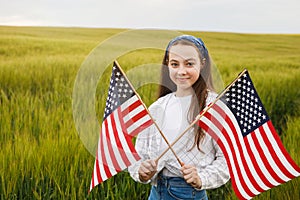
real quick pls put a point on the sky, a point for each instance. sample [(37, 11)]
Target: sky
[(241, 16)]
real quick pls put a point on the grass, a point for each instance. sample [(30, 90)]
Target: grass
[(41, 154)]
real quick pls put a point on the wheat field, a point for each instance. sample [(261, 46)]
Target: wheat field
[(42, 155)]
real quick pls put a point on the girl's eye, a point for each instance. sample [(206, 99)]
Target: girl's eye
[(190, 64), (174, 64)]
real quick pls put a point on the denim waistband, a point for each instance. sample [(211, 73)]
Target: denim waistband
[(175, 181), (175, 188)]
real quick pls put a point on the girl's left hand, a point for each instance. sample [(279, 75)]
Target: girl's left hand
[(190, 175)]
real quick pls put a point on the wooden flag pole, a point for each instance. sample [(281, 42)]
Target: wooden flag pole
[(161, 133), (201, 114)]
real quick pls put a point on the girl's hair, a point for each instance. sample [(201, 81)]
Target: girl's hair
[(201, 86)]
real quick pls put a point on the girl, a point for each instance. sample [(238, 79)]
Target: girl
[(186, 88)]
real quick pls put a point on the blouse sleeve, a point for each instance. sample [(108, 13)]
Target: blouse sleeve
[(146, 145), (215, 174), (141, 146)]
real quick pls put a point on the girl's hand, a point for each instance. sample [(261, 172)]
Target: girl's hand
[(147, 170), (190, 175)]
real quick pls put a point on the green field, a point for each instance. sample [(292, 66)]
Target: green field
[(41, 154)]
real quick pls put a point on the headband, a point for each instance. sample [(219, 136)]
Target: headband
[(196, 41)]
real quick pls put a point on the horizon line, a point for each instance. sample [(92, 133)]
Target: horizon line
[(151, 28)]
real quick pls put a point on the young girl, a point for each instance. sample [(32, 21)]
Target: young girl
[(186, 88)]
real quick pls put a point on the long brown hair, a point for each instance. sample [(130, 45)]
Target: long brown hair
[(201, 86)]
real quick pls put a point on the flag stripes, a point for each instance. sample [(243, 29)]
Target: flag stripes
[(134, 116), (116, 150), (218, 125), (254, 165)]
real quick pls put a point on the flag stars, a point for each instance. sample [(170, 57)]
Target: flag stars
[(119, 91), (244, 101)]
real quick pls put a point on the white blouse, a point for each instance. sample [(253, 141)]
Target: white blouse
[(170, 114)]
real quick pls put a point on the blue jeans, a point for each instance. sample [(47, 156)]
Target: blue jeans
[(175, 188)]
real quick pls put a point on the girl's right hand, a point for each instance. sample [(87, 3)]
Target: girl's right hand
[(147, 170)]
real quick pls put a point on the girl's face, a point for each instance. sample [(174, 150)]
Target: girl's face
[(184, 68)]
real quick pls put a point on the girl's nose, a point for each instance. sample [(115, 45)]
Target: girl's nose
[(181, 69)]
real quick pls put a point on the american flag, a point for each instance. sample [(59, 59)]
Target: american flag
[(124, 117), (256, 158)]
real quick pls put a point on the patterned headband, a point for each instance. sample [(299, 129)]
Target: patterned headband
[(196, 41)]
